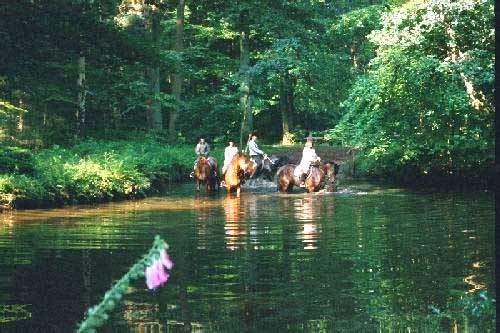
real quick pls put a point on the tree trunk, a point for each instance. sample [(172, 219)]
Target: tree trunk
[(286, 107), (177, 77), (245, 98), (352, 52), (156, 115), (81, 110), (476, 97)]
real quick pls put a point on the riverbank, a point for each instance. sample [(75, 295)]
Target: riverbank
[(90, 172), (96, 171), (429, 174)]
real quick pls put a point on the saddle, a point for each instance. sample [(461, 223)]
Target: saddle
[(211, 162), (309, 171)]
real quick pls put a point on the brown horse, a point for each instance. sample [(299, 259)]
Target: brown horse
[(206, 173), (319, 177), (239, 168)]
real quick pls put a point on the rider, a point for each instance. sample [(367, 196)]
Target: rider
[(308, 157), (256, 155), (229, 152), (201, 149)]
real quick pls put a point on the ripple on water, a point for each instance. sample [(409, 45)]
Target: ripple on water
[(265, 261)]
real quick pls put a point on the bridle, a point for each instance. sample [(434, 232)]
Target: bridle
[(270, 160)]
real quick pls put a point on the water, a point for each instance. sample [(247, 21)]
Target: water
[(368, 258)]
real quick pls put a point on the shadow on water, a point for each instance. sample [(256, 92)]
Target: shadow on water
[(366, 258)]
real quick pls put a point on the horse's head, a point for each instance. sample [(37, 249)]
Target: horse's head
[(202, 170), (268, 164), (329, 170), (279, 161), (245, 164)]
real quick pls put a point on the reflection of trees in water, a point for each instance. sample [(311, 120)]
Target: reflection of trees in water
[(310, 265), (407, 258), (202, 214)]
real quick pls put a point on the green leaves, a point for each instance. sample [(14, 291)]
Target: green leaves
[(414, 107), (92, 171)]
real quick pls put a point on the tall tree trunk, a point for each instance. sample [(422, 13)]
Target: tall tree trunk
[(156, 114), (20, 119), (245, 98), (81, 109), (286, 107), (177, 77)]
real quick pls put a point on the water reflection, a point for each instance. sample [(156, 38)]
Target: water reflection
[(234, 230), (260, 262), (307, 211)]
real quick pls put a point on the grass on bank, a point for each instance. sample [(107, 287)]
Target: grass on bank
[(92, 171)]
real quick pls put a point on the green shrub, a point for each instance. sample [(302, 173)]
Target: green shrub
[(15, 160), (94, 171)]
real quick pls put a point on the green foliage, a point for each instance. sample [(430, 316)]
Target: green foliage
[(411, 83), (94, 171), (412, 113), (479, 308), (9, 116), (15, 160)]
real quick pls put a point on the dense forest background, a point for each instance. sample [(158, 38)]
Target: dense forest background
[(409, 84)]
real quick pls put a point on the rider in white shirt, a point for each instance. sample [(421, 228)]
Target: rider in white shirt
[(229, 153), (308, 157)]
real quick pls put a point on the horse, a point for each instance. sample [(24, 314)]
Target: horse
[(320, 176), (205, 172), (238, 169), (266, 167)]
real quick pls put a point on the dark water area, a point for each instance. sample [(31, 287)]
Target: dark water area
[(368, 258)]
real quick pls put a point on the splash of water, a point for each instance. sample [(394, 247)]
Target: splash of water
[(259, 183)]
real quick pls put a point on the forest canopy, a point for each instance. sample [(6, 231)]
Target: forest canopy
[(409, 84)]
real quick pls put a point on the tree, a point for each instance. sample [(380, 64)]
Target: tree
[(425, 103), (177, 77)]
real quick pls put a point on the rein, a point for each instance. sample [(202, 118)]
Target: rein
[(267, 158)]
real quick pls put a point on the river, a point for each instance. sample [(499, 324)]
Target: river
[(368, 258)]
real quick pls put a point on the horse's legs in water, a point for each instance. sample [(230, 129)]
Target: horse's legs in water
[(198, 185), (238, 192)]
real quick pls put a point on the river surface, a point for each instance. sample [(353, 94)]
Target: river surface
[(368, 258)]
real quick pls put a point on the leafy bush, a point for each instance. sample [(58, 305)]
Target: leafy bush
[(15, 160), (95, 171)]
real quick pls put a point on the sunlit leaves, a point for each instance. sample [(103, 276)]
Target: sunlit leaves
[(413, 107)]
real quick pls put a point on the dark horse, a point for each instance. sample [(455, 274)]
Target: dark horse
[(206, 173), (238, 169), (319, 177), (266, 167)]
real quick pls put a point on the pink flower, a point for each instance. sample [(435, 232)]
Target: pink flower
[(156, 274), (165, 259)]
